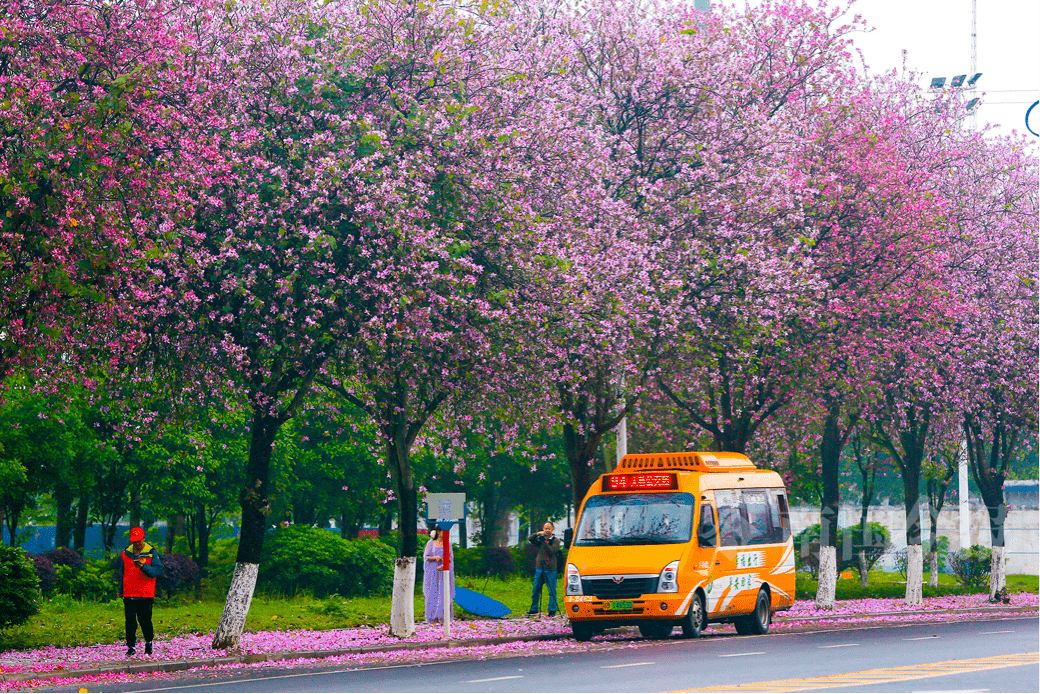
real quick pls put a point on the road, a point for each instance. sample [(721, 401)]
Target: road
[(998, 656)]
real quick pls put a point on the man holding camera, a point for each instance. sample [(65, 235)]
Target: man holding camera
[(545, 568), (136, 575)]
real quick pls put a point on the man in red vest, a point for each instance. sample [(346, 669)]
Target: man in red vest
[(136, 575)]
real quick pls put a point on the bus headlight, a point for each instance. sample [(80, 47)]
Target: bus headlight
[(669, 580), (573, 581)]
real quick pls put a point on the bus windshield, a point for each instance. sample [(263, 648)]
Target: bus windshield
[(636, 519)]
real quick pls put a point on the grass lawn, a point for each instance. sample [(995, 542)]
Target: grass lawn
[(63, 621)]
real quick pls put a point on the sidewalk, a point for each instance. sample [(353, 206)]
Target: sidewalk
[(478, 638)]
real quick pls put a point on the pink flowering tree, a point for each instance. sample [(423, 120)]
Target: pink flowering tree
[(996, 270), (85, 166), (481, 159), (296, 192)]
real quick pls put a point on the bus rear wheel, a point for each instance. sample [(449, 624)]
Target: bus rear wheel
[(756, 623)]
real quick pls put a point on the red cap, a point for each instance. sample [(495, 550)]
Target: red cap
[(136, 534)]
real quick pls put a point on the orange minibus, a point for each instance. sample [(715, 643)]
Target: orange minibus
[(680, 539)]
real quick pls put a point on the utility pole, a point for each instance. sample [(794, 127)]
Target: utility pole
[(974, 59)]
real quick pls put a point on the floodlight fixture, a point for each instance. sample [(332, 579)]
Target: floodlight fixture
[(974, 79), (938, 82), (972, 105), (958, 80)]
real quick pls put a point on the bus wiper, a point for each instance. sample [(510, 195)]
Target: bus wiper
[(595, 542)]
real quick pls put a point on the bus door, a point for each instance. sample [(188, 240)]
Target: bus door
[(738, 566)]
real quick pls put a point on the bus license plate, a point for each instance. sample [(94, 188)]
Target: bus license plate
[(620, 605)]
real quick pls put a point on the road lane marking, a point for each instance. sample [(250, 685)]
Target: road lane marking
[(922, 638), (608, 667), (1006, 631), (900, 673), (495, 679), (839, 645), (735, 655)]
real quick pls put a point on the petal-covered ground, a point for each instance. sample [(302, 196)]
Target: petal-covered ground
[(194, 646)]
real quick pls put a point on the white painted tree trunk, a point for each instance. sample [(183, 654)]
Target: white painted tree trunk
[(825, 590), (864, 574), (997, 575), (402, 602), (933, 569), (914, 575), (240, 594)]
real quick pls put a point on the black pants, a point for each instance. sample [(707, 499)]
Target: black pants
[(138, 610)]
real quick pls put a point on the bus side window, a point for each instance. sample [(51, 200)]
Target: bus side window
[(732, 520), (706, 533), (785, 520)]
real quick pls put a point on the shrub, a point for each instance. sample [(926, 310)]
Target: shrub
[(180, 574), (850, 544), (299, 558), (499, 562), (971, 566), (63, 556), (468, 562), (45, 572), (485, 561), (93, 581), (523, 557), (19, 587)]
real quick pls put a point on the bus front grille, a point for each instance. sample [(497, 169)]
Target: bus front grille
[(608, 589)]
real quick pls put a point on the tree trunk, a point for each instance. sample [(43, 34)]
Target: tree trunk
[(135, 504), (914, 551), (402, 601), (255, 507), (79, 533), (402, 604), (827, 587), (581, 454), (172, 531), (204, 529), (500, 537), (913, 449), (864, 570), (997, 572), (63, 516), (830, 458), (14, 517), (933, 544), (914, 574)]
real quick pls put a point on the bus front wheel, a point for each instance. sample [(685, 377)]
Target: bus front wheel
[(693, 622), (757, 622)]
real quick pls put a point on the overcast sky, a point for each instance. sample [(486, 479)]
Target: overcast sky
[(937, 37)]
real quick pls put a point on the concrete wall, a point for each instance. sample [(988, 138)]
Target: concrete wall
[(1021, 530)]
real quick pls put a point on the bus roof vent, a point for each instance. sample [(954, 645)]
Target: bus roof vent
[(688, 460)]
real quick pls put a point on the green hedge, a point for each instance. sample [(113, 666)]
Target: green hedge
[(298, 559), (19, 587), (807, 547)]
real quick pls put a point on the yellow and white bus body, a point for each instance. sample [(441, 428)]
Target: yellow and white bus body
[(681, 539)]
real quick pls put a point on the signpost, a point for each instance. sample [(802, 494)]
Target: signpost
[(446, 509)]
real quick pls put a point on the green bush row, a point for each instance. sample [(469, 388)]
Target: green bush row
[(298, 559)]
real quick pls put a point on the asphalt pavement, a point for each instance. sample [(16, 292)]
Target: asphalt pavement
[(992, 655)]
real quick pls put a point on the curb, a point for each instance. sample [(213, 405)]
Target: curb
[(253, 658), (783, 617), (274, 657)]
